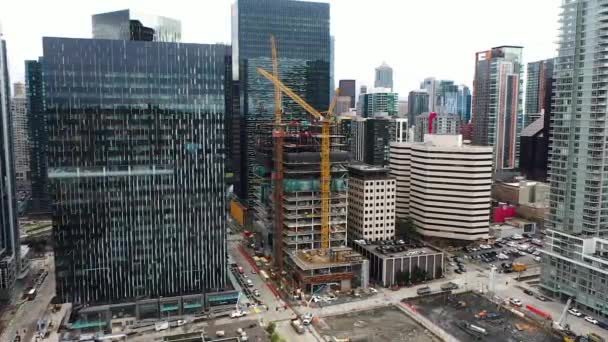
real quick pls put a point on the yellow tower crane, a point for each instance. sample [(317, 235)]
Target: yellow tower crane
[(325, 149)]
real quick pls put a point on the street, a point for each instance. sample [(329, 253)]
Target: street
[(29, 312)]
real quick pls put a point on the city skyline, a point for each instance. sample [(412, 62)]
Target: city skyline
[(350, 22)]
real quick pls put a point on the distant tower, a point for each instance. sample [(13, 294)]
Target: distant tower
[(384, 76)]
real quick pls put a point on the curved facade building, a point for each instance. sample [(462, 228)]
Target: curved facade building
[(400, 158)]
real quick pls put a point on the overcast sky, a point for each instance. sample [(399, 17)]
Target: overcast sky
[(418, 38)]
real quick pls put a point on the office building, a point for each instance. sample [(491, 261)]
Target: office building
[(380, 102), (371, 138), (342, 105), (332, 67), (303, 41), (430, 84), (539, 84), (133, 25), (20, 136), (449, 186), (38, 136), (384, 77), (464, 103), (9, 230), (534, 150), (388, 260), (418, 103), (497, 115), (349, 88), (146, 164), (433, 123), (447, 97), (400, 166), (362, 92), (371, 203), (575, 257)]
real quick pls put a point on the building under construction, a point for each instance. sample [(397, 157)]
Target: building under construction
[(291, 227)]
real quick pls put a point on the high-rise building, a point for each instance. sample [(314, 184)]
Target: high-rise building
[(449, 186), (402, 108), (384, 77), (433, 123), (303, 41), (464, 103), (380, 101), (144, 159), (133, 25), (20, 135), (497, 115), (9, 230), (447, 97), (349, 88), (430, 84), (371, 137), (534, 155), (575, 257), (371, 203), (418, 103), (342, 105), (38, 136), (539, 81), (362, 92)]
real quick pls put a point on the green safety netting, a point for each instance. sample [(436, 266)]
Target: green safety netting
[(293, 185)]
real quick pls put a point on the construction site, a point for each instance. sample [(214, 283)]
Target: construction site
[(301, 199), (468, 316), (387, 323)]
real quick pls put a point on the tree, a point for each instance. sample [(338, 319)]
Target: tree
[(271, 327), (439, 272), (402, 278), (406, 228), (276, 337), (418, 275)]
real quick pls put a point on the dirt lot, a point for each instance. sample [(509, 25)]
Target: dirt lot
[(386, 324), (446, 312)]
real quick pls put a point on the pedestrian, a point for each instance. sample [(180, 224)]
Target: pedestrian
[(277, 308)]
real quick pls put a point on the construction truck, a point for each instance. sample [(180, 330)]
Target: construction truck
[(519, 267)]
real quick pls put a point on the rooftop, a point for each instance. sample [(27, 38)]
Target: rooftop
[(315, 259), (393, 248), (368, 171)]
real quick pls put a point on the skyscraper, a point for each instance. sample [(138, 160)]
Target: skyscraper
[(371, 138), (430, 85), (380, 101), (447, 97), (402, 108), (133, 25), (418, 103), (464, 103), (497, 115), (384, 77), (349, 88), (38, 136), (136, 171), (9, 231), (575, 260), (538, 91), (433, 123), (20, 135), (301, 30)]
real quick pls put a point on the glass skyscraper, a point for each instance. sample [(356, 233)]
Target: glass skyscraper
[(302, 33), (38, 136), (9, 230), (136, 167), (133, 25), (497, 111), (464, 103), (575, 260)]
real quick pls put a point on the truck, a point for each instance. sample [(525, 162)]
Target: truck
[(449, 286), (423, 291), (519, 267), (159, 326), (297, 325)]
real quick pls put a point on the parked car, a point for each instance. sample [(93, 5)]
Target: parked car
[(590, 319), (256, 292), (575, 312), (457, 271), (528, 292), (542, 298)]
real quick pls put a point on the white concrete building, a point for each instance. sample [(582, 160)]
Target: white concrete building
[(399, 164), (371, 203), (449, 186)]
